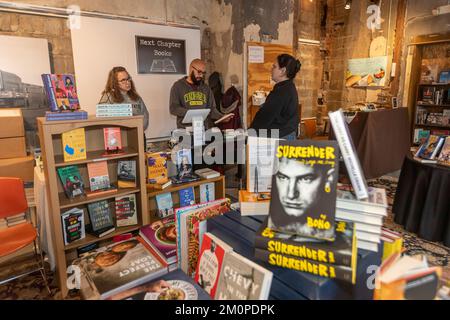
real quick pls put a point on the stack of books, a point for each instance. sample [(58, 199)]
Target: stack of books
[(329, 259), (120, 266), (367, 214), (207, 173), (252, 203), (161, 236), (114, 110), (16, 219), (66, 115), (392, 243)]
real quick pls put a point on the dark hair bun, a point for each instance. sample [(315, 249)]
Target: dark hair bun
[(291, 64)]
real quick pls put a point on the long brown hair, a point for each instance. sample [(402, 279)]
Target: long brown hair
[(112, 86)]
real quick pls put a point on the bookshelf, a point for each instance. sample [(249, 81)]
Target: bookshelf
[(219, 190), (429, 96), (50, 133)]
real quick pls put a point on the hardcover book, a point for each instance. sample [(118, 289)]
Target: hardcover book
[(242, 279), (342, 251), (187, 197), (190, 231), (113, 139), (157, 168), (71, 181), (305, 265), (126, 211), (161, 236), (183, 164), (207, 192), (210, 261), (73, 225), (100, 216), (165, 204), (347, 148), (175, 285), (98, 175), (74, 145), (61, 92), (120, 266), (126, 173), (303, 196)]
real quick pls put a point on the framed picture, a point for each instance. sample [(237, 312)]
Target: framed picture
[(444, 76)]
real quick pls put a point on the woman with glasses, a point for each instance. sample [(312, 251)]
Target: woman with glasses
[(280, 111), (120, 89)]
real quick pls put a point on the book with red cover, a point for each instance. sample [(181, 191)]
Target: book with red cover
[(112, 138), (210, 263), (161, 236)]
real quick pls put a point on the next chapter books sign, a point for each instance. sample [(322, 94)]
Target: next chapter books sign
[(158, 55)]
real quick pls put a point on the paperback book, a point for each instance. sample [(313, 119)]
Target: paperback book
[(73, 225), (165, 205), (444, 156), (61, 92), (74, 145), (157, 168), (112, 139), (207, 192), (183, 164), (98, 175), (126, 211), (187, 197), (101, 220), (303, 194), (71, 181), (126, 173)]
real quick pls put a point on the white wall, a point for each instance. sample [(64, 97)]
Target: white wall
[(101, 44)]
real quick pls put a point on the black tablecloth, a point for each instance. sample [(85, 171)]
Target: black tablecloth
[(422, 200), (381, 138)]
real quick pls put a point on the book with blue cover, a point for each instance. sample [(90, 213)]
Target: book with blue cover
[(187, 197), (165, 205)]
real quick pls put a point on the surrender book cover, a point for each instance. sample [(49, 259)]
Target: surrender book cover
[(303, 197)]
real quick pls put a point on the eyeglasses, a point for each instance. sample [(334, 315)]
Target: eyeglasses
[(125, 80), (200, 72)]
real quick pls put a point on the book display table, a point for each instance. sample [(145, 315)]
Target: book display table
[(239, 232), (381, 139), (422, 200)]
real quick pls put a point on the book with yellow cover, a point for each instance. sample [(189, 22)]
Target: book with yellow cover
[(157, 168), (74, 145)]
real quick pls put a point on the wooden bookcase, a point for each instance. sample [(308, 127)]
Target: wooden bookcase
[(428, 50), (219, 191), (132, 135)]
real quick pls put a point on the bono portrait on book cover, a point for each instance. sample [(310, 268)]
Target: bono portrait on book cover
[(303, 198)]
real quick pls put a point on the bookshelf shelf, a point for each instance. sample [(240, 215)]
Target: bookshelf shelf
[(50, 135), (94, 156), (82, 200), (92, 239), (219, 188), (433, 126), (434, 85), (433, 105)]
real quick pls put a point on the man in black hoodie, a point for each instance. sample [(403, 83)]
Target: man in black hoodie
[(191, 93)]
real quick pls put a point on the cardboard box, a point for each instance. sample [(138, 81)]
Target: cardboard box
[(11, 123), (18, 167), (13, 148)]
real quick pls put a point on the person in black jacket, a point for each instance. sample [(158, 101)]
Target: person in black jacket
[(280, 111)]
